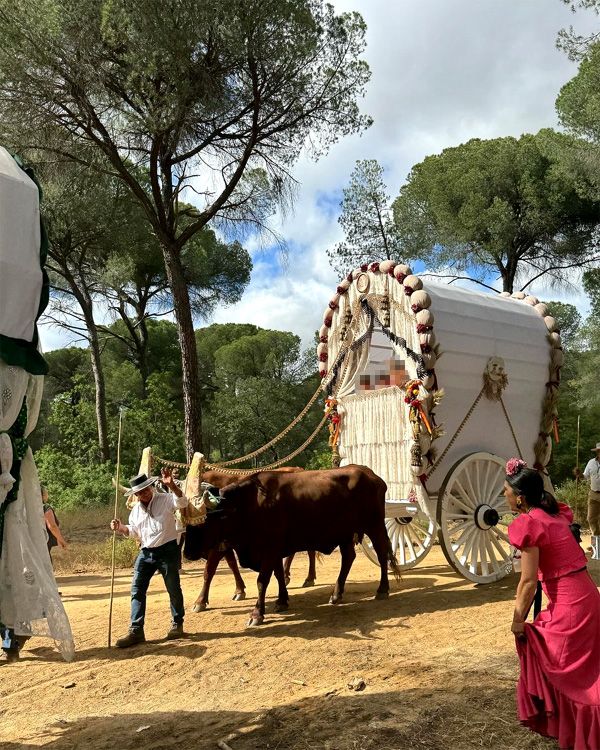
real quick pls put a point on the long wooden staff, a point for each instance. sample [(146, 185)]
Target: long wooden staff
[(114, 539)]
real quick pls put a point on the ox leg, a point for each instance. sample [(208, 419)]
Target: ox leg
[(312, 572), (240, 586), (283, 598), (348, 556), (257, 617), (287, 568), (381, 545), (210, 568)]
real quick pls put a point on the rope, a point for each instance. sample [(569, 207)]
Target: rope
[(279, 437), (456, 434), (511, 427), (464, 422), (243, 472), (342, 357)]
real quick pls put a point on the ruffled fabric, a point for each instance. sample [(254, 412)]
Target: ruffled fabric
[(558, 693)]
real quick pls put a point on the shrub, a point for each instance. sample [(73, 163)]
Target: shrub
[(575, 495), (72, 484)]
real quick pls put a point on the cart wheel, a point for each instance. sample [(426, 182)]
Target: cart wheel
[(411, 536), (473, 515)]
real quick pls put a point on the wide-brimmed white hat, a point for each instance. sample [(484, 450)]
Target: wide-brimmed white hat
[(140, 483), (597, 448)]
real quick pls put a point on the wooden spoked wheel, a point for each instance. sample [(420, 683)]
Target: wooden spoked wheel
[(411, 533), (472, 517)]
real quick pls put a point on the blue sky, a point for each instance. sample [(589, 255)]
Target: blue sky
[(443, 71)]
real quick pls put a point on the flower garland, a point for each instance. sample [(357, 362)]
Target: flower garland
[(334, 419), (414, 398)]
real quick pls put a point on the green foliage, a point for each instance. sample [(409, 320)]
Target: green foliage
[(71, 483), (367, 221), (262, 382), (569, 321), (321, 459), (508, 206), (126, 551), (575, 495)]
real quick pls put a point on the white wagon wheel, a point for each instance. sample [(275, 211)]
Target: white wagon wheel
[(472, 516), (411, 535)]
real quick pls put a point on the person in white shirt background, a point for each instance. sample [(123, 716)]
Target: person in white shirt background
[(152, 523), (592, 474)]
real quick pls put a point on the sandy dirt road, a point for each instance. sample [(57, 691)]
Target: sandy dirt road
[(437, 658)]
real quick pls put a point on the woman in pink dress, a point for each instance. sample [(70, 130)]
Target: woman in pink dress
[(558, 693)]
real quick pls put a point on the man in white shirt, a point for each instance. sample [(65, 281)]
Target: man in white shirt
[(592, 474), (152, 523)]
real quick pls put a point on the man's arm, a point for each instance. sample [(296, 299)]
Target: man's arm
[(180, 500), (125, 529)]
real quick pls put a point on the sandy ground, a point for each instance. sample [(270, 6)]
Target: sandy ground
[(437, 658)]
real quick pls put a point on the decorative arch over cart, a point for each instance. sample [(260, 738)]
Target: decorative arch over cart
[(433, 387)]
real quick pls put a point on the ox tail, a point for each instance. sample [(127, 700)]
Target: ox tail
[(393, 563)]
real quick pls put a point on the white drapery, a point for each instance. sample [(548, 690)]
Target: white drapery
[(375, 432), (29, 600)]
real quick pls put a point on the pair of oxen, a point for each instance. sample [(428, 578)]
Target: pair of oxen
[(271, 515)]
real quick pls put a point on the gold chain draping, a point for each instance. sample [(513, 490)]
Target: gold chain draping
[(221, 467)]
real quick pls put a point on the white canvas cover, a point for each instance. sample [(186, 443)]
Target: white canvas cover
[(471, 327), (20, 272)]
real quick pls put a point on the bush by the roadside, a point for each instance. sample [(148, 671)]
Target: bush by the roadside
[(575, 495), (72, 484)]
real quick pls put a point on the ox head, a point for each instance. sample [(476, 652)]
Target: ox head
[(223, 524)]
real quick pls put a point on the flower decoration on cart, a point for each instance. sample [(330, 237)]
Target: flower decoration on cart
[(423, 426)]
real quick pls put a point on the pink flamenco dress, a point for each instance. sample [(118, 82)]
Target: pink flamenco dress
[(558, 693)]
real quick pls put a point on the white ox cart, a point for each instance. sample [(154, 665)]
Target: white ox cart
[(434, 387)]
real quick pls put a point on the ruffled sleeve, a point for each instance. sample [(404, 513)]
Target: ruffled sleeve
[(565, 512), (526, 531)]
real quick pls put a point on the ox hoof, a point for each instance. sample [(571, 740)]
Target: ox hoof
[(335, 599), (199, 607), (253, 622), (281, 606), (308, 582), (382, 595), (238, 596)]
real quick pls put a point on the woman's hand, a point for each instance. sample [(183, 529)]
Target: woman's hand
[(518, 628)]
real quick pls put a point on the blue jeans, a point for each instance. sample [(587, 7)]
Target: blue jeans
[(151, 559)]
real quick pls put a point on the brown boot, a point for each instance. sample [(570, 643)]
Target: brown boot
[(175, 632), (131, 639)]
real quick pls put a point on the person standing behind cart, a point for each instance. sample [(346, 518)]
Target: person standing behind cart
[(558, 693), (592, 474)]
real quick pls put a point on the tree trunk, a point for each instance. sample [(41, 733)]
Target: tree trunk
[(100, 394), (189, 357), (82, 295)]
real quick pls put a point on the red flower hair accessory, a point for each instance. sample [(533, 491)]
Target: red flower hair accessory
[(514, 466)]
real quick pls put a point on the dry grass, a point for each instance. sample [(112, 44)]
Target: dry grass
[(90, 542)]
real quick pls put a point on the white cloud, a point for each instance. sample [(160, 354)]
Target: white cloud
[(443, 71)]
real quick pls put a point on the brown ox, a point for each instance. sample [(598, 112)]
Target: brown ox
[(271, 515), (214, 557)]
